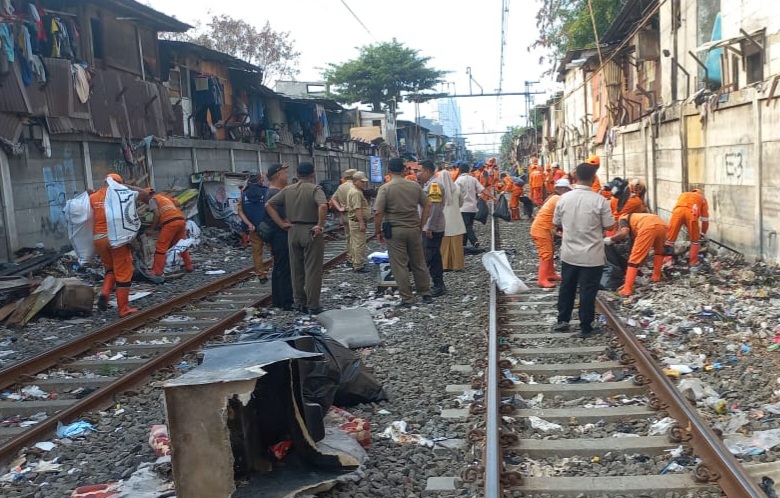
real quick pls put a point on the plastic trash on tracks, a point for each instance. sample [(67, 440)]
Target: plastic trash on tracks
[(353, 328), (498, 266), (121, 216), (80, 222)]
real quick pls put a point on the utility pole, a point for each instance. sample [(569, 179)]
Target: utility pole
[(532, 122)]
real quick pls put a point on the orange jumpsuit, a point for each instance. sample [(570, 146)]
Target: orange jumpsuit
[(557, 175), (549, 181), (691, 208), (173, 229), (648, 231), (633, 205), (514, 202), (543, 230), (536, 180), (117, 261), (596, 187)]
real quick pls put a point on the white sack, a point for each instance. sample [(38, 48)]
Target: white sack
[(80, 222), (173, 260), (121, 217), (498, 266), (193, 232)]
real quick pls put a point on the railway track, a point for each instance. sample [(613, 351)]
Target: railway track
[(550, 425), (88, 371)]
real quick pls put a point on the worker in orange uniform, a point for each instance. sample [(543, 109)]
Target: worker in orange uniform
[(543, 233), (536, 181), (517, 193), (691, 208), (508, 184), (173, 228), (647, 231), (595, 161), (549, 181), (558, 173), (117, 261)]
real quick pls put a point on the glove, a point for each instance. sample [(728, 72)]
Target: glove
[(608, 241)]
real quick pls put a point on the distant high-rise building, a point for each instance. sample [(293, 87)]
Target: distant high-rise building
[(449, 117)]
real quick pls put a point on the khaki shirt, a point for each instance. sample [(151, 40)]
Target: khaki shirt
[(342, 191), (583, 215), (398, 200), (356, 201), (300, 201)]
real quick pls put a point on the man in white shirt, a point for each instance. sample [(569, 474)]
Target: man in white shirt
[(583, 215), (471, 189)]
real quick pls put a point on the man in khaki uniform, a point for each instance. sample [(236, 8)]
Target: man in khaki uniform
[(339, 201), (358, 213), (396, 203), (306, 208)]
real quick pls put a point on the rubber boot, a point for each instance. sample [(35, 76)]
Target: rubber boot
[(123, 301), (543, 275), (628, 287), (551, 275), (105, 292), (158, 268), (185, 256), (694, 255), (658, 262)]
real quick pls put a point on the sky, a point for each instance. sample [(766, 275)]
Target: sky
[(455, 34)]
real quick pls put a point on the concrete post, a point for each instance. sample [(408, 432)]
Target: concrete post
[(758, 143), (194, 152), (11, 234), (260, 162), (232, 160), (87, 165), (150, 168)]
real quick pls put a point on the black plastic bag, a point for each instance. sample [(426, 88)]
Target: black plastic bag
[(615, 268), (482, 211), (502, 209)]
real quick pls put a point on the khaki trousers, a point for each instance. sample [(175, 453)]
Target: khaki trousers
[(357, 245), (306, 265), (348, 234), (405, 250), (257, 255)]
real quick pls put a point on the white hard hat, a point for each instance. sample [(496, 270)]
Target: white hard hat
[(562, 183)]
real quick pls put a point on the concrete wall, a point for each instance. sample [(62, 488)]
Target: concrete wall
[(34, 189), (732, 158)]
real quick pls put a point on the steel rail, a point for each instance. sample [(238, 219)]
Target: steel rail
[(135, 377), (718, 464), (492, 394), (51, 357)]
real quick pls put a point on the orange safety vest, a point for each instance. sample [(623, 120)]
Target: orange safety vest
[(167, 210), (543, 222), (98, 202)]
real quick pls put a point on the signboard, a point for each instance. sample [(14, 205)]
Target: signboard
[(375, 163)]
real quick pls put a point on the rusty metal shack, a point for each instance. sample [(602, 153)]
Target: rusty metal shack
[(95, 90)]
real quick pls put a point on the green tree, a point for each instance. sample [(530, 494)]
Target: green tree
[(382, 72), (272, 51), (566, 25), (507, 149)]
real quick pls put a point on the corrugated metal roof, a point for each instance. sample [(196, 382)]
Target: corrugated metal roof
[(99, 108), (59, 90), (10, 127), (13, 98)]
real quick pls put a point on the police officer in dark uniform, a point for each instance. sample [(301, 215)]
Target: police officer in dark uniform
[(306, 208), (397, 204)]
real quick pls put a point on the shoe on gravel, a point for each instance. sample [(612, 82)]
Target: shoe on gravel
[(405, 306), (438, 291), (427, 299), (102, 302), (561, 327), (362, 269), (263, 280), (593, 332), (315, 311)]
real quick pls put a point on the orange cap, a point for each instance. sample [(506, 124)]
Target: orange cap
[(594, 160), (115, 177)]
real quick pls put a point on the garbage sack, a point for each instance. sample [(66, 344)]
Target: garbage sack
[(498, 266), (379, 257), (121, 217), (193, 231), (502, 209), (80, 221), (353, 328), (614, 270), (482, 211), (173, 259)]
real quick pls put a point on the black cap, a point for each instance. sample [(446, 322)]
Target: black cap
[(428, 164), (396, 165), (305, 169), (254, 178), (275, 168)]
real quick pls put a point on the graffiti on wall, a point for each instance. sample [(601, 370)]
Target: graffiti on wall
[(733, 162), (60, 184)]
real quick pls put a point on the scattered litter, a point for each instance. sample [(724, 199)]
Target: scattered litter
[(673, 467), (45, 445), (623, 435), (215, 272), (543, 425), (73, 430), (397, 432), (382, 411), (661, 427), (694, 389), (755, 444), (159, 440), (357, 428)]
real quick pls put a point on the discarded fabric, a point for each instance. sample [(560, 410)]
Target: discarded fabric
[(73, 430), (397, 432)]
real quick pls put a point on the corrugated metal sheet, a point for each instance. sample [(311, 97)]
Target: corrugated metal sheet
[(136, 99), (59, 126), (13, 97), (59, 90), (102, 120), (114, 85), (10, 127)]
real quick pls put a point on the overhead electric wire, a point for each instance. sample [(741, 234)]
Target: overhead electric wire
[(358, 20)]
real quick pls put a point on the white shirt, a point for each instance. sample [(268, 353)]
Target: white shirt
[(471, 188), (584, 215)]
